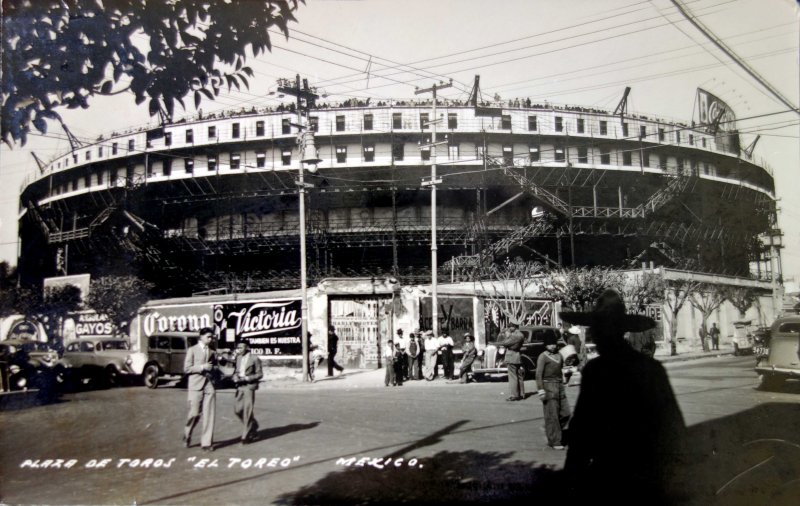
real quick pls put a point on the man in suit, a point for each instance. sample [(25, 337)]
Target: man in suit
[(199, 367), (516, 375), (248, 374), (333, 348)]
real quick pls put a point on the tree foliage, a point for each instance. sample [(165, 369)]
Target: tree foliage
[(742, 298), (707, 298), (118, 297), (677, 293), (645, 289), (59, 53), (510, 285), (580, 288)]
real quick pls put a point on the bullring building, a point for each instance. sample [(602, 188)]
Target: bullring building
[(211, 202)]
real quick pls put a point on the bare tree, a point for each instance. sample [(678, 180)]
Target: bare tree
[(676, 293), (645, 290), (706, 298), (580, 288), (510, 285), (742, 298)]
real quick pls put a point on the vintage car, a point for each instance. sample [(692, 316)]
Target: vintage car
[(783, 359), (27, 363), (166, 353), (492, 358), (742, 340), (107, 359)]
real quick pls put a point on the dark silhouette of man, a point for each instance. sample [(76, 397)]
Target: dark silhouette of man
[(333, 348), (627, 432)]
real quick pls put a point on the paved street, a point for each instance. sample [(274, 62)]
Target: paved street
[(357, 441)]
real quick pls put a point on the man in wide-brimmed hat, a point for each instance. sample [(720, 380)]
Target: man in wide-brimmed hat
[(516, 375), (627, 430)]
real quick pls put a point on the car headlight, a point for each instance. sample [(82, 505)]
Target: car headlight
[(501, 350), (128, 360), (14, 369), (21, 382)]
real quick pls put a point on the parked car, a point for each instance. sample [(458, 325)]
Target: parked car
[(166, 353), (28, 364), (782, 362), (761, 343), (492, 358), (107, 359)]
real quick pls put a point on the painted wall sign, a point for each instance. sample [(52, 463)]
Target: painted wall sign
[(269, 327)]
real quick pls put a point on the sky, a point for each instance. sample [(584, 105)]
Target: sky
[(578, 52)]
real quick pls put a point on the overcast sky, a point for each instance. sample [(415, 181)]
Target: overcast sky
[(577, 52)]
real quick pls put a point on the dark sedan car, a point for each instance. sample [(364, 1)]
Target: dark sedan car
[(26, 363), (492, 358)]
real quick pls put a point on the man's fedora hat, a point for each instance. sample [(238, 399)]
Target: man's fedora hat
[(574, 329), (609, 310)]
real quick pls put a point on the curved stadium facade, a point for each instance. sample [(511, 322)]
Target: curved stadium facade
[(212, 202)]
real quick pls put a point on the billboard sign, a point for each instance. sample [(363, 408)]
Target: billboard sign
[(709, 108), (455, 315)]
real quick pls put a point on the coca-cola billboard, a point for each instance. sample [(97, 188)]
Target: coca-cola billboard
[(270, 327)]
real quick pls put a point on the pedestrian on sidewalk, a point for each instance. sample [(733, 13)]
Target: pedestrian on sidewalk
[(714, 333), (516, 374), (199, 366), (399, 365), (448, 365), (470, 353), (412, 353), (431, 351), (402, 342), (550, 382), (703, 333), (333, 348), (627, 433), (388, 363), (246, 378)]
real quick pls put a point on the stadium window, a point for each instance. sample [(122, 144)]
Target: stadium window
[(286, 128), (369, 152), (583, 154), (100, 151), (691, 140), (424, 118), (627, 159), (624, 129), (645, 159), (168, 138), (167, 164), (661, 134), (397, 151), (705, 168), (642, 131), (129, 171), (452, 150), (149, 169), (581, 125), (74, 184), (425, 148), (261, 158), (368, 122), (340, 123), (87, 180), (148, 143), (677, 136), (479, 151), (559, 153), (212, 162), (235, 131), (189, 136), (114, 148), (533, 153), (236, 161), (286, 156), (88, 155), (452, 120), (532, 123), (505, 122), (341, 154), (188, 165), (662, 162), (131, 145), (605, 156), (313, 123), (508, 154), (259, 128), (74, 157), (397, 120), (212, 132), (604, 128), (559, 124)]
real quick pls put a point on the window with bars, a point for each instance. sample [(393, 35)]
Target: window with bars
[(583, 154), (452, 151), (559, 153), (533, 153), (508, 154), (605, 156), (313, 123)]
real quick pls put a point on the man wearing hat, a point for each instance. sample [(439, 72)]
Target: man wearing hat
[(516, 375), (549, 380), (627, 431), (402, 364), (470, 353)]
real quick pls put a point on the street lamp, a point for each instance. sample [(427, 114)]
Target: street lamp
[(308, 161)]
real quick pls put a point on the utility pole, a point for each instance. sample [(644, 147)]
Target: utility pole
[(305, 100), (433, 182)]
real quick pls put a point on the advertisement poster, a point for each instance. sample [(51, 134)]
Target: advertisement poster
[(455, 314), (270, 327)]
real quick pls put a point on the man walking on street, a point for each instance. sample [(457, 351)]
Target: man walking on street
[(516, 375), (248, 374), (333, 348), (550, 382), (199, 367)]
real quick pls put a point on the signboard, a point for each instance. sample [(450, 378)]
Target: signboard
[(537, 312), (270, 327), (711, 107), (24, 329), (79, 280), (455, 314), (87, 324)]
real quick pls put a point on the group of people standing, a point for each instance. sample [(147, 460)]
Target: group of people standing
[(421, 354)]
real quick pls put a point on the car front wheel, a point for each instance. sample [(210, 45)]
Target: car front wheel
[(112, 376), (151, 376)]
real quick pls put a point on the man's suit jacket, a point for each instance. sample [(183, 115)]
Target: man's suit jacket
[(193, 367), (513, 344), (253, 371)]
